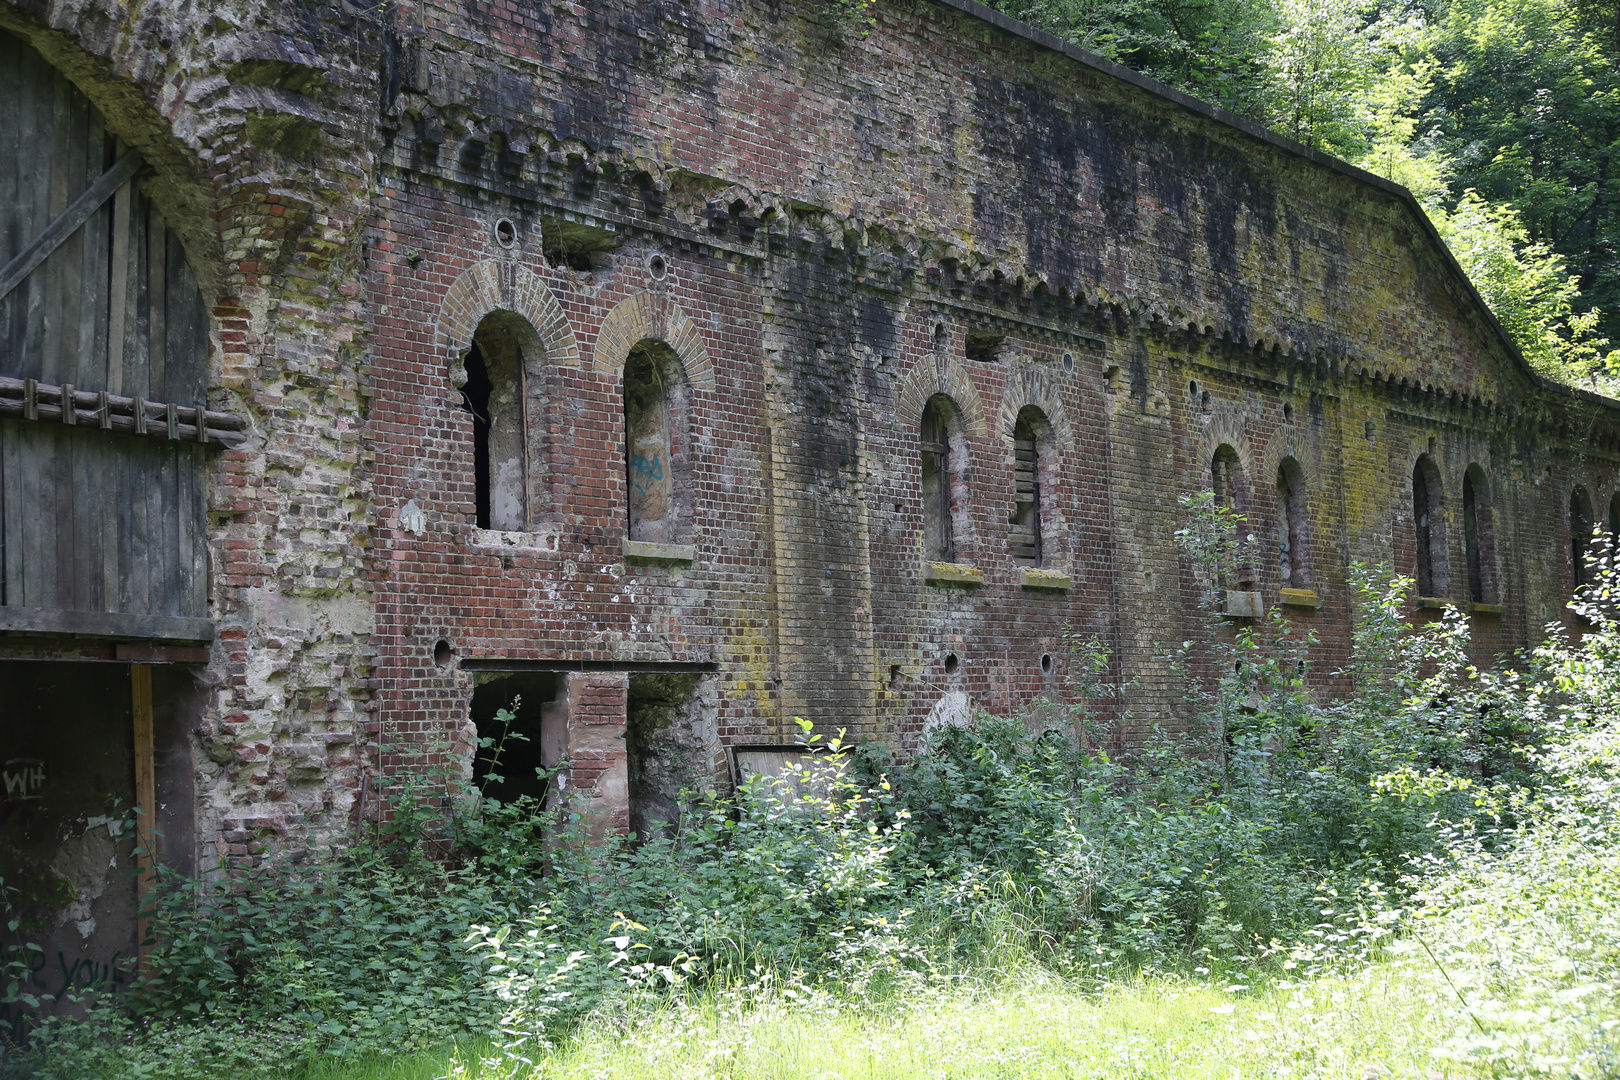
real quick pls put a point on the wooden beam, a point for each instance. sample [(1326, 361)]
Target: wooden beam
[(67, 223), (112, 624), (146, 840)]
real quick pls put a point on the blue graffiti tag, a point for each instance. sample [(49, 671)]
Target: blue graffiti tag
[(646, 470)]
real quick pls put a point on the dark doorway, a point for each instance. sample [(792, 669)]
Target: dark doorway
[(522, 748), (665, 755)]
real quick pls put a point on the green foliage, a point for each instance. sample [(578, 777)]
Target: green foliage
[(1455, 825)]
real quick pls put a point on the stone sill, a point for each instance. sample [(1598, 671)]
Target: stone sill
[(952, 573), (1241, 604), (643, 551), (1300, 598), (1487, 609), (1032, 577), (516, 541), (1434, 603)]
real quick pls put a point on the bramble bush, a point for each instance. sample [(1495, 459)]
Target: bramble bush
[(1256, 830)]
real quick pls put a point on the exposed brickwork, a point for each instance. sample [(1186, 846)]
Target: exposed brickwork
[(834, 219)]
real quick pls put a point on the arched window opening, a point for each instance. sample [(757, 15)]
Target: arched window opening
[(1231, 493), (1580, 534), (1293, 543), (493, 394), (1025, 535), (941, 476), (1428, 528), (654, 410), (1479, 537)]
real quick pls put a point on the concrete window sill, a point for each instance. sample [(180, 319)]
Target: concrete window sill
[(1300, 598), (1494, 610), (1241, 604), (952, 573), (1035, 577), (642, 551), (516, 541), (1434, 603)]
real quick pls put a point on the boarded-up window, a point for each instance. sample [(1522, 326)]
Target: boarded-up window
[(1479, 537), (654, 422), (1293, 541), (1025, 535), (1231, 493)]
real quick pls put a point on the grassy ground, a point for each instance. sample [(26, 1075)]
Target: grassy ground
[(1384, 1023)]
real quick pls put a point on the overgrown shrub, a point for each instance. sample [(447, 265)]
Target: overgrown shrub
[(1262, 830)]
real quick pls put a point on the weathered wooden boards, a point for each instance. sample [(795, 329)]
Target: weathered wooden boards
[(99, 533)]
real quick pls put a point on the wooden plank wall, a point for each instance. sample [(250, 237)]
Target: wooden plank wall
[(93, 520)]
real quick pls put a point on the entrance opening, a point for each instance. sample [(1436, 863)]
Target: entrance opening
[(665, 754), (68, 820), (522, 747)]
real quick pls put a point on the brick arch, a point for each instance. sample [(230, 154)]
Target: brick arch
[(490, 286), (1037, 385), (652, 315), (941, 374)]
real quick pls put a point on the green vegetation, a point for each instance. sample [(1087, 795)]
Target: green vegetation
[(1502, 116), (1422, 879)]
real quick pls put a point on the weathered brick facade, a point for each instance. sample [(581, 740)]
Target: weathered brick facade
[(824, 233)]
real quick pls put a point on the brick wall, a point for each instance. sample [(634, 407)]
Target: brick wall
[(814, 226)]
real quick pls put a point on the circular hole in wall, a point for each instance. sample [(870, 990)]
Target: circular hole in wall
[(443, 654), (657, 266), (1068, 363), (951, 663), (1192, 388), (505, 233), (1046, 662)]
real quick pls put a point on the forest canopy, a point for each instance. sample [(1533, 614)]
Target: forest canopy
[(1501, 116)]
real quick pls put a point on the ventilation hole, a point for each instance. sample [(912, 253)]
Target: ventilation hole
[(939, 333), (443, 654), (1046, 662), (1192, 388), (505, 233), (1288, 413), (657, 266), (1068, 363), (897, 679), (951, 663)]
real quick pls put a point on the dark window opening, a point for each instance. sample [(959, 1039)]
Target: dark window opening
[(1580, 534), (665, 760), (982, 347), (1025, 538), (522, 750), (494, 395), (1293, 553), (1428, 528), (936, 481)]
